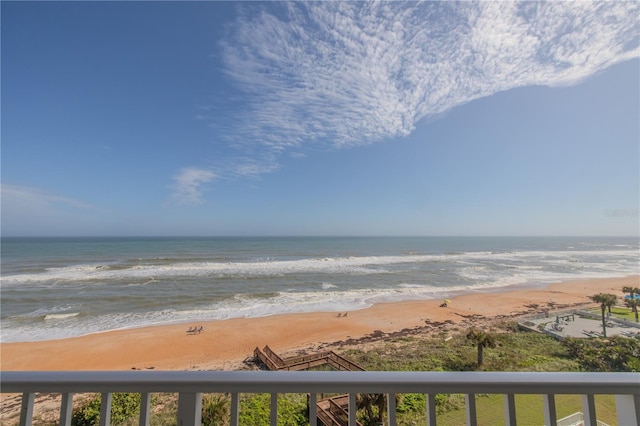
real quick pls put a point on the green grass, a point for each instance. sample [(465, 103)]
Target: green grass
[(516, 351), (529, 410), (623, 313), (618, 312)]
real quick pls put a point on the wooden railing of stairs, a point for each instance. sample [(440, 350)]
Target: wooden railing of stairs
[(304, 362), (331, 411), (334, 411)]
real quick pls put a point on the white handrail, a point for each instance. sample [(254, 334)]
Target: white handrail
[(571, 420), (192, 384), (319, 381)]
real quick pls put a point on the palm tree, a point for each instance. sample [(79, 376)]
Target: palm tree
[(630, 290), (632, 302), (482, 340), (605, 300)]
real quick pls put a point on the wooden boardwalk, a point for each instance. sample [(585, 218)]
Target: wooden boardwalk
[(331, 411), (304, 362), (334, 411)]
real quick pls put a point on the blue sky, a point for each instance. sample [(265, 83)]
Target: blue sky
[(335, 118)]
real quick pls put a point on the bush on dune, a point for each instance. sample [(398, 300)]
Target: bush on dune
[(613, 354)]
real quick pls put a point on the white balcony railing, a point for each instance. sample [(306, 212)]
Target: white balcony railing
[(190, 386)]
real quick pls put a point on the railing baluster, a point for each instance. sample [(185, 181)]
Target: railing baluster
[(391, 409), (549, 403), (628, 409), (352, 409), (589, 409), (189, 408), (145, 409), (26, 409), (235, 409), (188, 386), (313, 409), (509, 409), (274, 409), (105, 409), (66, 409), (431, 409), (470, 403)]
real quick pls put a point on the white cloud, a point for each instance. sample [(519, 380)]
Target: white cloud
[(352, 73), (18, 197), (251, 168), (189, 184)]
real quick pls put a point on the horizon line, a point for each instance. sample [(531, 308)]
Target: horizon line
[(321, 236)]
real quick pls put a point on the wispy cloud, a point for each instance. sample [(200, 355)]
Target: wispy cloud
[(16, 197), (343, 74), (28, 210), (190, 183), (253, 167)]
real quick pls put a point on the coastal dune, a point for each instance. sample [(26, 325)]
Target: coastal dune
[(225, 344)]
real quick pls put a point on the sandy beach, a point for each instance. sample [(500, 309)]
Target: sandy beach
[(225, 344)]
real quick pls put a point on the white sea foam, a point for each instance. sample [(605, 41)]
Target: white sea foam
[(240, 306), (60, 316), (341, 265), (64, 309), (160, 290), (243, 306), (406, 285)]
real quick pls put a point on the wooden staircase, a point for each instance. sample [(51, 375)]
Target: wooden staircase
[(304, 362), (331, 411)]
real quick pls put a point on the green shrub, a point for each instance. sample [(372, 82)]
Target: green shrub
[(448, 402), (411, 402), (215, 409), (255, 409), (124, 406), (616, 353)]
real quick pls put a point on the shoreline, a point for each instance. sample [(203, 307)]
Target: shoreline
[(225, 344)]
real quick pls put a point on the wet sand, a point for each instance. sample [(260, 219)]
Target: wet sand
[(225, 344)]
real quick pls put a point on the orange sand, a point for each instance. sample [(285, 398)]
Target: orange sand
[(224, 344)]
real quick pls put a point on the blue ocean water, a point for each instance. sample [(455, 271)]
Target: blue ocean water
[(63, 287)]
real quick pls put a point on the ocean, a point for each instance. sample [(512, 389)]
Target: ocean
[(63, 287)]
